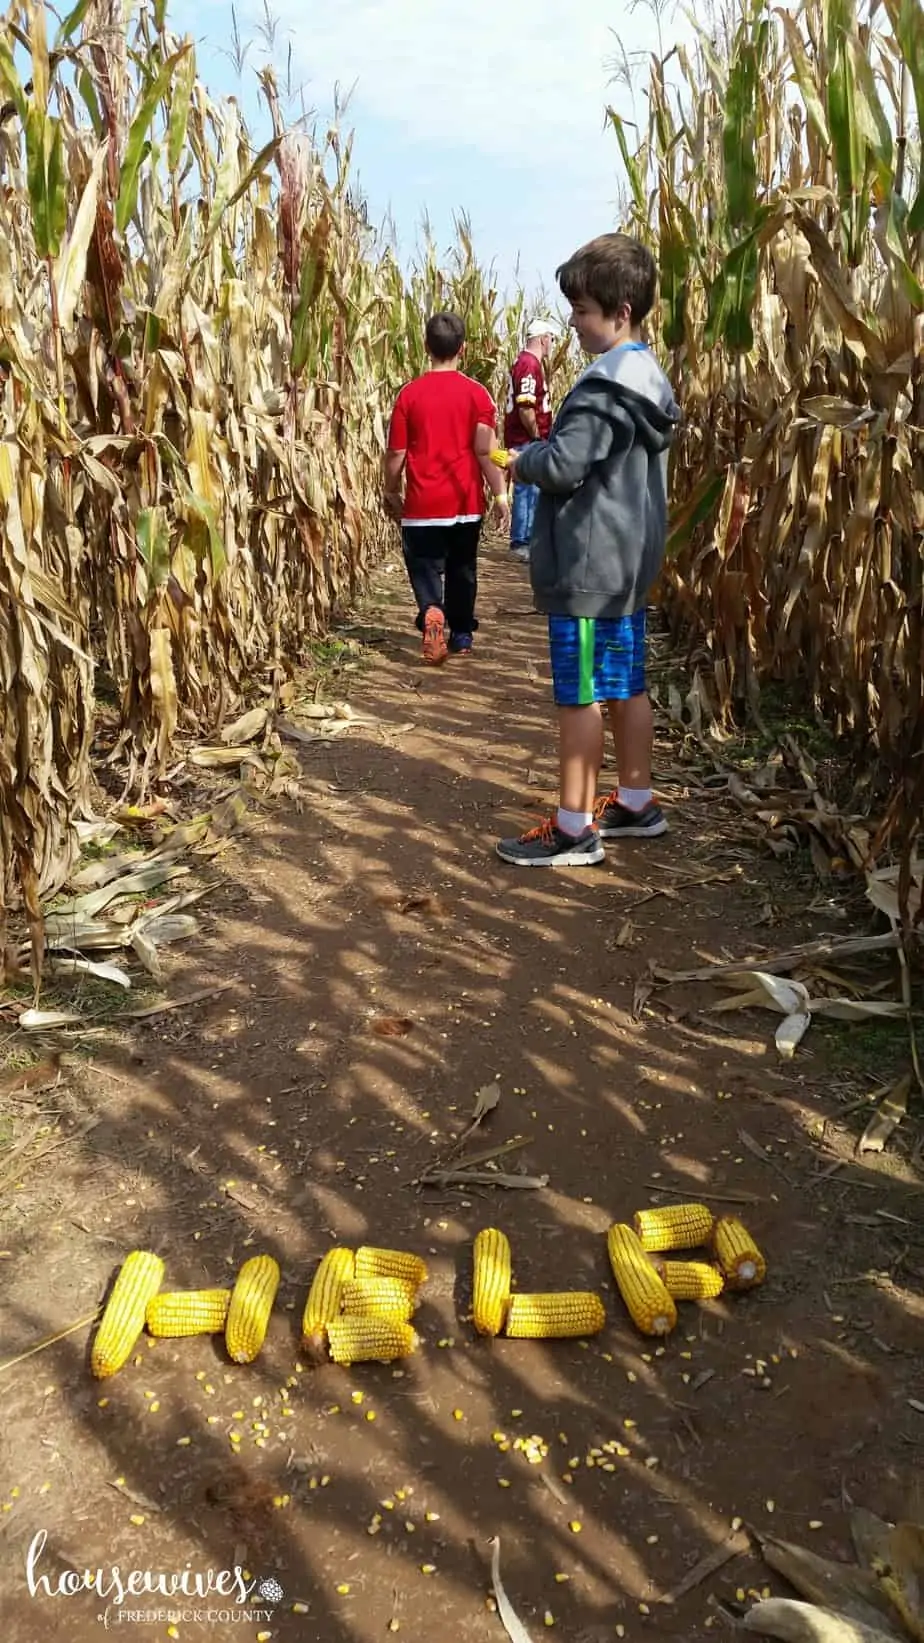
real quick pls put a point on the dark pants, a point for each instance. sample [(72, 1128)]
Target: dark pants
[(442, 565)]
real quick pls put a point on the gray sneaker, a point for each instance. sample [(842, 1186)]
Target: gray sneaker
[(548, 846), (519, 550), (617, 821)]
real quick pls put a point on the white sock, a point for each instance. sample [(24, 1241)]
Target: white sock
[(635, 798), (574, 821)]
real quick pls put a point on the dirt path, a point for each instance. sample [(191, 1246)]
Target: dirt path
[(272, 1117)]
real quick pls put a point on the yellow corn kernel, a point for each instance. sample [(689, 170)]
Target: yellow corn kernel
[(690, 1280), (390, 1263), (649, 1305), (140, 1277), (251, 1304), (737, 1254), (673, 1226), (174, 1314), (501, 459), (557, 1315), (380, 1298), (335, 1269), (368, 1340), (491, 1281)]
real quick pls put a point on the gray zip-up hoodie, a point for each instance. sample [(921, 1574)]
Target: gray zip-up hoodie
[(601, 520)]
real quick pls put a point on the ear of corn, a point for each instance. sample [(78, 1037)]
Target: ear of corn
[(673, 1226), (325, 1297), (369, 1340), (737, 1254), (690, 1280), (140, 1277), (176, 1313), (379, 1298), (390, 1263), (251, 1304), (501, 459), (556, 1315), (649, 1305), (491, 1280)]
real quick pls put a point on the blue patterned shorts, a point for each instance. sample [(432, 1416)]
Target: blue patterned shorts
[(596, 660)]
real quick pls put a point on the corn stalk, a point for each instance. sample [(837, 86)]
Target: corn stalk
[(199, 345)]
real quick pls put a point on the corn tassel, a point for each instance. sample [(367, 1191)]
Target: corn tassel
[(368, 1340), (251, 1304), (491, 1281), (737, 1254), (673, 1226), (335, 1269), (555, 1315), (690, 1280), (648, 1303), (140, 1277), (379, 1298), (390, 1263), (174, 1314)]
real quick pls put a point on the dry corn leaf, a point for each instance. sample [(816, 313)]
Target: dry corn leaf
[(486, 1100), (86, 966), (790, 1033), (247, 728), (901, 1576), (887, 1117), (840, 1586), (794, 1622), (37, 1021), (511, 1622)]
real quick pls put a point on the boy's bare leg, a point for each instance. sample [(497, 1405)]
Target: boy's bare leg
[(632, 813), (632, 724), (580, 755)]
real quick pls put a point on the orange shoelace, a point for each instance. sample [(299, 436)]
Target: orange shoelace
[(541, 834), (607, 799)]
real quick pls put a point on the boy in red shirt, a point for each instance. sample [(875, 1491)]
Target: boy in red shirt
[(439, 441), (528, 417)]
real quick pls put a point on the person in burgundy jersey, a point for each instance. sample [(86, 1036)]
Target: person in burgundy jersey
[(441, 433), (528, 417)]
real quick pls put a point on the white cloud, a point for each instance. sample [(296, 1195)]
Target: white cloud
[(505, 103)]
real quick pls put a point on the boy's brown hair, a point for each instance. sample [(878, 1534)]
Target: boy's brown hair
[(445, 335), (612, 269)]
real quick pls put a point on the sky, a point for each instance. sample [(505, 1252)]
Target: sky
[(455, 106)]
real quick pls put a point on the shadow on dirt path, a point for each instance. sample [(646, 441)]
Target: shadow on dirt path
[(272, 1117)]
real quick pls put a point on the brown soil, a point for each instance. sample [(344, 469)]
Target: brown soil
[(272, 1117)]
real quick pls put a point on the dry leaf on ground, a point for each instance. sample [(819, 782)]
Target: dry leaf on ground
[(391, 1026)]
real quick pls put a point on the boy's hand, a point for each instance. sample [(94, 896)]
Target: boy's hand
[(512, 467), (393, 504), (500, 514)]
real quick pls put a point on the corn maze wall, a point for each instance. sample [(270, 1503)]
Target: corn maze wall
[(199, 345), (200, 341), (781, 190)]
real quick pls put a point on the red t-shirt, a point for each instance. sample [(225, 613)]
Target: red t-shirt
[(434, 421), (526, 385)]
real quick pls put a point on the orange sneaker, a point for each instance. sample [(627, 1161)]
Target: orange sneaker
[(435, 648)]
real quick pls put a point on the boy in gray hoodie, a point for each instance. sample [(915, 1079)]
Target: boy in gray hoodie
[(597, 546)]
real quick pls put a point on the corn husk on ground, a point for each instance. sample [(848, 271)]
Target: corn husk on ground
[(200, 346), (877, 1599), (783, 196)]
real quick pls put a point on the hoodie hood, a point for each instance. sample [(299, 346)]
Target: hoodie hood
[(630, 376)]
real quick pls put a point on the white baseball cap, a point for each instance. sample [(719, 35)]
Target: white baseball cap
[(541, 327)]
